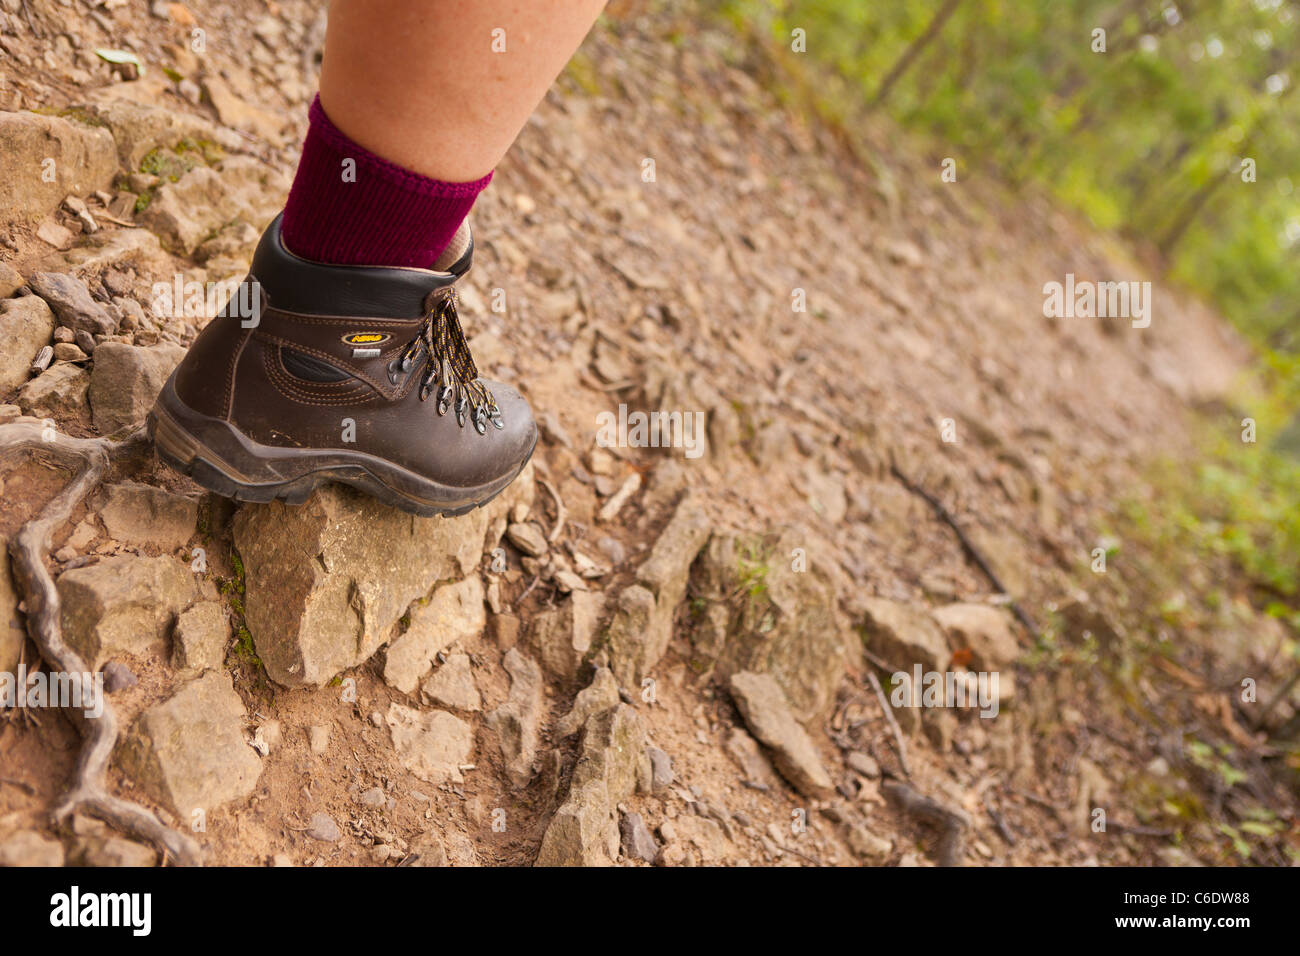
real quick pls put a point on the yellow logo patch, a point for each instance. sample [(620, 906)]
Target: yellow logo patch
[(366, 338)]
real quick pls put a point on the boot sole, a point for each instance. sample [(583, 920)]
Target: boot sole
[(229, 463)]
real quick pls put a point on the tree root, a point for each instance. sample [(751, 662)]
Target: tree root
[(952, 824), (89, 459)]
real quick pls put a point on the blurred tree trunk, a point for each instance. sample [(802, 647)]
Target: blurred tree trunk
[(914, 50)]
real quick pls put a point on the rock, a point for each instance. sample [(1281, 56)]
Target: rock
[(600, 695), (528, 538), (139, 129), (454, 613), (564, 636), (786, 623), (452, 685), (432, 745), (750, 758), (767, 714), (267, 737), (864, 764), (327, 581), (145, 515), (517, 721), (125, 381), (318, 738), (10, 280), (322, 827), (428, 850), (638, 843), (59, 156), (108, 249), (29, 848), (186, 212), (67, 352), (13, 630), (985, 631), (706, 840), (71, 302), (661, 770), (625, 636), (902, 635), (190, 752), (55, 234), (635, 648), (95, 844), (123, 604), (825, 493), (118, 677), (200, 639), (867, 845), (584, 831), (374, 797), (234, 112), (26, 325), (60, 392)]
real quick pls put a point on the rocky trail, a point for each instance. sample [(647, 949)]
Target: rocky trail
[(636, 655)]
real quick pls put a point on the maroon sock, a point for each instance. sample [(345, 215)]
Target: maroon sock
[(383, 215)]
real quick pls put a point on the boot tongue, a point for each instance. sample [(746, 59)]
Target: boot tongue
[(455, 249)]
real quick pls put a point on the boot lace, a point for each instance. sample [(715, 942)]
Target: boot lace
[(448, 364)]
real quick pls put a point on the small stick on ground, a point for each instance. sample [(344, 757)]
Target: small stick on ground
[(976, 555), (560, 513), (88, 459), (952, 823), (893, 724)]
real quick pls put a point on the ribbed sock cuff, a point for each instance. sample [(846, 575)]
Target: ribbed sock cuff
[(348, 206)]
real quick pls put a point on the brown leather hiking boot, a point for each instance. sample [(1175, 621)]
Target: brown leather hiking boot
[(361, 375)]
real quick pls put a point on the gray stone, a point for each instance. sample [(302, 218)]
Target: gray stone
[(584, 830), (29, 848), (322, 827), (123, 605), (10, 280), (199, 642), (190, 752), (125, 381), (318, 737), (902, 635), (661, 769), (767, 714), (118, 677), (432, 745), (452, 685), (60, 392), (985, 631), (638, 842), (26, 325), (144, 515), (454, 613), (600, 695), (528, 538), (328, 580), (84, 160), (635, 648), (759, 613), (517, 722), (72, 304), (563, 636)]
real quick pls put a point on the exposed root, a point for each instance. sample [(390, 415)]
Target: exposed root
[(952, 824), (88, 459)]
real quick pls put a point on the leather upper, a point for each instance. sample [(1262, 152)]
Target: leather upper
[(342, 316)]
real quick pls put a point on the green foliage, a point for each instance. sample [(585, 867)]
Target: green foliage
[(1147, 137)]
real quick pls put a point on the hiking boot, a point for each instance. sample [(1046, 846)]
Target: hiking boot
[(355, 374)]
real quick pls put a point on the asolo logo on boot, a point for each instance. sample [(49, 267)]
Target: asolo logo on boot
[(366, 344)]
